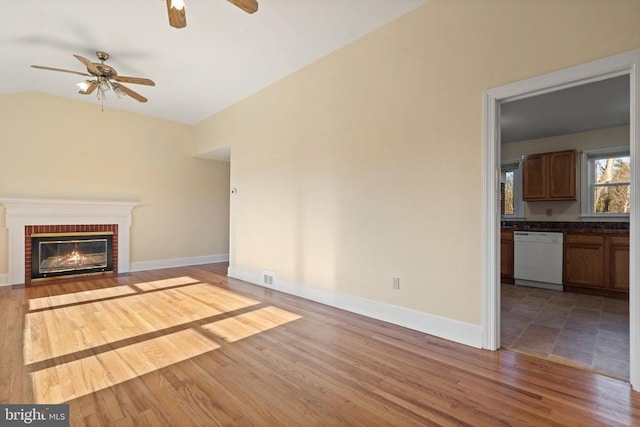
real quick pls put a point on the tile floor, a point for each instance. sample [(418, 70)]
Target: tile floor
[(583, 330)]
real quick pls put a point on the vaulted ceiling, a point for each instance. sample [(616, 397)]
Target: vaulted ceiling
[(221, 57)]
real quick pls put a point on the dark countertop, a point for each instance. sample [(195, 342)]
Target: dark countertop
[(568, 227)]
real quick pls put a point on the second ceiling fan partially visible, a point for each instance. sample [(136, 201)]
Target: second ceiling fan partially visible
[(178, 16)]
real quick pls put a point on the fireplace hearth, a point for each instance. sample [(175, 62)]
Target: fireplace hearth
[(64, 254)]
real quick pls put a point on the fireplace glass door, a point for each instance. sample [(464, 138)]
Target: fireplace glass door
[(65, 254)]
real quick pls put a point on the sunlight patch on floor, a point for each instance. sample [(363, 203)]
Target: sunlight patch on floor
[(245, 325), (67, 381), (104, 293), (79, 297), (165, 283), (65, 330), (94, 335)]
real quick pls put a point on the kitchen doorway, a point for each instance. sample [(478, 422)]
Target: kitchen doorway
[(619, 65), (581, 319)]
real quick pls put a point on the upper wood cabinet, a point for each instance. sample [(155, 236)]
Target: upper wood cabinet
[(549, 176)]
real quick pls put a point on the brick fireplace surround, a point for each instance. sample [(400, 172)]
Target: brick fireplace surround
[(24, 217), (29, 230)]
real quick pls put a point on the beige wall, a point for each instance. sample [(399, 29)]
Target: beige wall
[(367, 164), (566, 210), (59, 148)]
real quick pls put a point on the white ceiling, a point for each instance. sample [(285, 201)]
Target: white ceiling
[(221, 57), (582, 108)]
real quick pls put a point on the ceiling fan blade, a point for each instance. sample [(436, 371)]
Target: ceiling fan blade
[(40, 67), (249, 6), (131, 93), (135, 80), (92, 86), (177, 17), (90, 65)]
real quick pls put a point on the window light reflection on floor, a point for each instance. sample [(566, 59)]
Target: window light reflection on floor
[(92, 324), (94, 330)]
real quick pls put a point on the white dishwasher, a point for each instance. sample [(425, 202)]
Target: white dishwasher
[(537, 259)]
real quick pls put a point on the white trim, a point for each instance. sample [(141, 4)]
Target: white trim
[(453, 330), (178, 262), (490, 220), (4, 280), (23, 212), (623, 64), (634, 236)]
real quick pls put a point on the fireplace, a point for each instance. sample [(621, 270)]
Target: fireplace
[(25, 217), (64, 254), (64, 250)]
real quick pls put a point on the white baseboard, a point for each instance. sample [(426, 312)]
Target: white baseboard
[(4, 279), (453, 330), (178, 262)]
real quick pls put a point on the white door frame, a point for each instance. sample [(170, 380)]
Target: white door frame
[(623, 64)]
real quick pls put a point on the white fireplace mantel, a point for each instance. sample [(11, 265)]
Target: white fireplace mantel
[(23, 212)]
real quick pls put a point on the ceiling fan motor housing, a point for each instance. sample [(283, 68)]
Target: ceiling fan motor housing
[(105, 71)]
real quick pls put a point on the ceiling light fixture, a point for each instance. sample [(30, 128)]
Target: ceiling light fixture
[(84, 85), (177, 4), (116, 89)]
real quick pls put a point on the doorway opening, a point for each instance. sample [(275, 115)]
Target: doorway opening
[(565, 264), (608, 68)]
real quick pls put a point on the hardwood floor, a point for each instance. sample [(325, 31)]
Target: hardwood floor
[(187, 346)]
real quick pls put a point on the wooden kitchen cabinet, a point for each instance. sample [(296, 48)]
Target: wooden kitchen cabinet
[(534, 171), (619, 263), (506, 255), (584, 260), (596, 261), (549, 176)]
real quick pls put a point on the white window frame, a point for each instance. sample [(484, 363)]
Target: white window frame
[(518, 203), (586, 184)]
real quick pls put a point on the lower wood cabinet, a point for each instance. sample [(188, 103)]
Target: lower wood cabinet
[(619, 263), (506, 254), (584, 260), (596, 261)]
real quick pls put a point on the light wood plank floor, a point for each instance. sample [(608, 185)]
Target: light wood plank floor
[(187, 346)]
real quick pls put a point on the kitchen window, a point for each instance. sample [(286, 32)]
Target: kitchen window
[(606, 183), (512, 206)]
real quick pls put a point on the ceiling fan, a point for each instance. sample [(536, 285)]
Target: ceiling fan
[(104, 78), (178, 17)]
